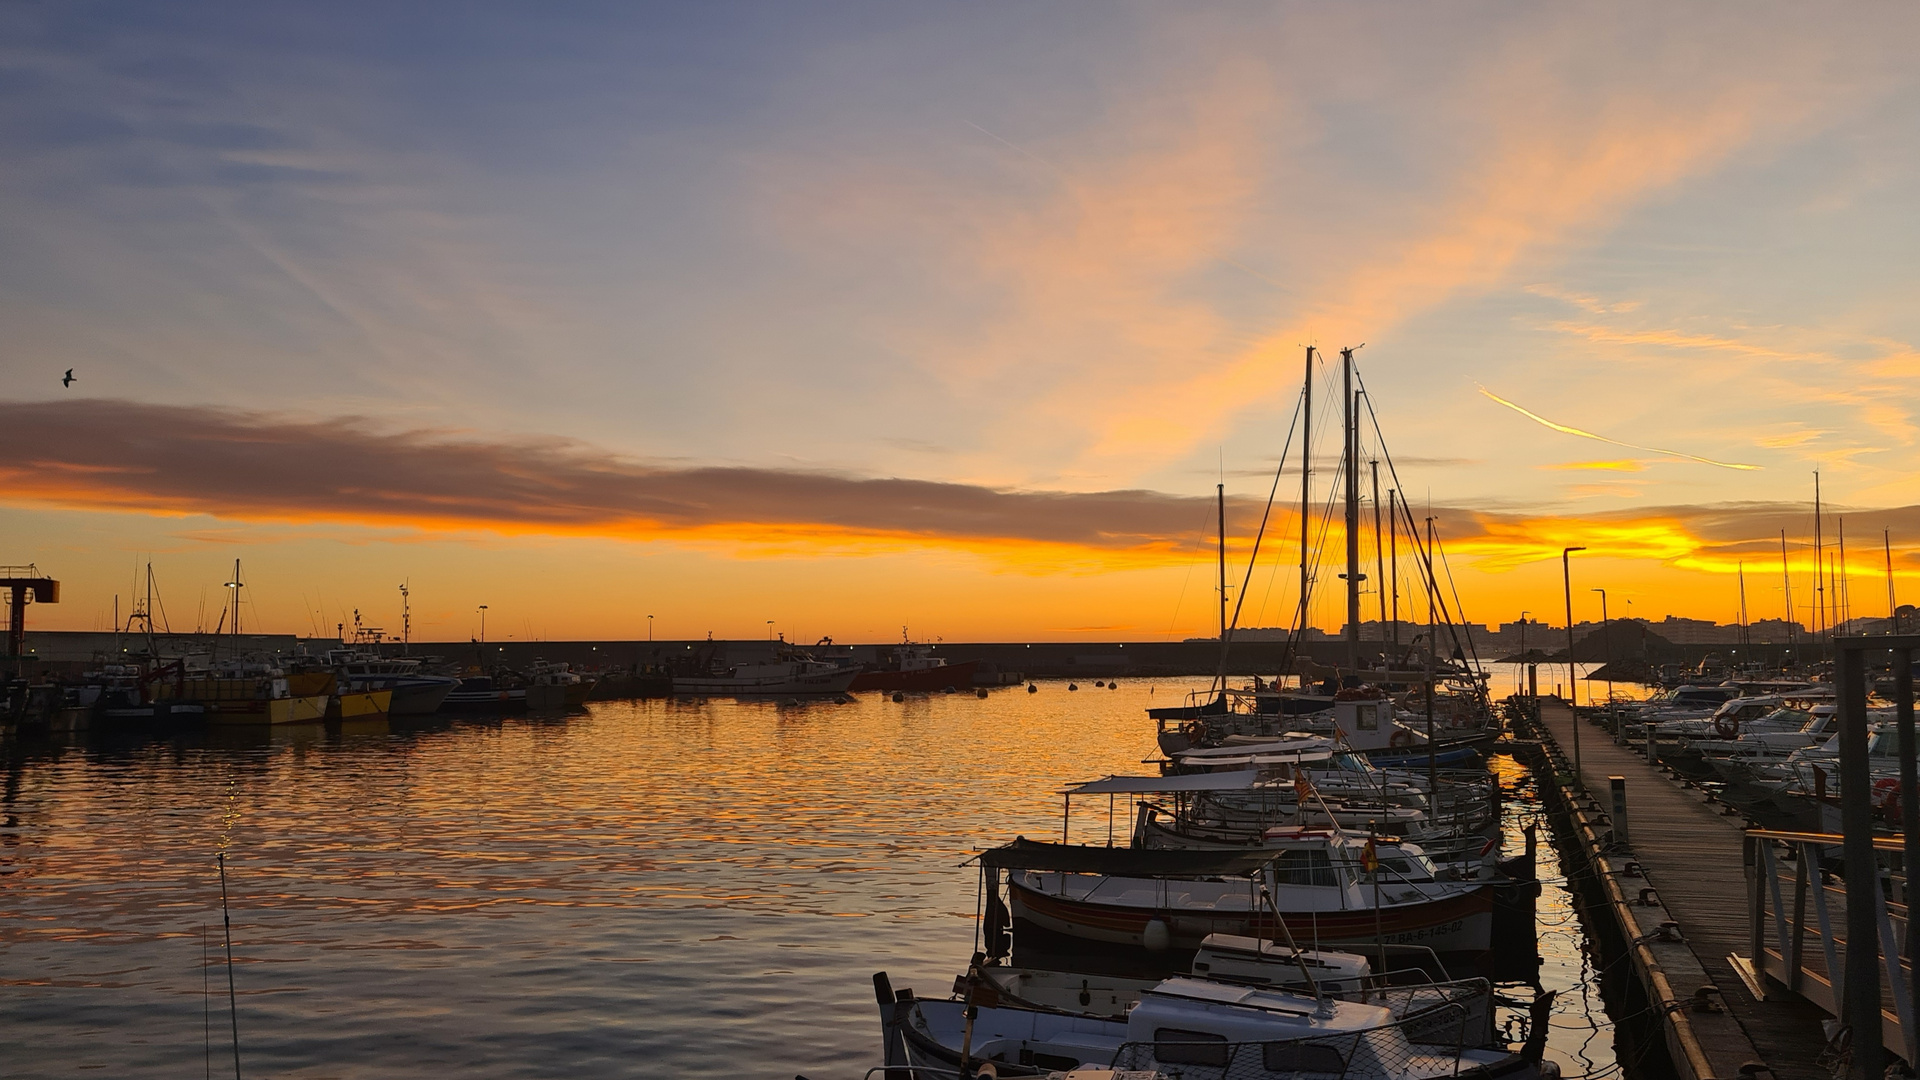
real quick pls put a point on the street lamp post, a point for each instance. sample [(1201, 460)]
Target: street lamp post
[(1524, 666), (1573, 692), (483, 624), (769, 629), (649, 629), (1606, 642)]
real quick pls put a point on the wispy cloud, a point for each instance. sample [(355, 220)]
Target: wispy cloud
[(1585, 303)]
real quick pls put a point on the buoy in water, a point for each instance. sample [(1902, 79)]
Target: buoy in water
[(1097, 684), (1157, 936), (1073, 686), (1033, 688), (1113, 686), (980, 693), (948, 690), (898, 696)]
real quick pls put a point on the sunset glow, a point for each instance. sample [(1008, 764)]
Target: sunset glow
[(863, 318)]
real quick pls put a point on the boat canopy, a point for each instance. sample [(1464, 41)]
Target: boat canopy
[(1025, 854), (1147, 785)]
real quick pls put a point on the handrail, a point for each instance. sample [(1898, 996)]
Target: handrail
[(1894, 842)]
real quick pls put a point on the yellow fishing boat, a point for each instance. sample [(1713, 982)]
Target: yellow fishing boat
[(245, 697)]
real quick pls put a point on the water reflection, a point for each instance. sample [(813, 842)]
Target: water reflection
[(695, 889)]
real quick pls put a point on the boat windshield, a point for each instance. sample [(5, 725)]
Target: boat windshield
[(1305, 866)]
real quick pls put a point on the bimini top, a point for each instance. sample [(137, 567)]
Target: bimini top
[(1148, 785)]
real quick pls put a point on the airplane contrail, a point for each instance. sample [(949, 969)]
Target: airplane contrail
[(1544, 422)]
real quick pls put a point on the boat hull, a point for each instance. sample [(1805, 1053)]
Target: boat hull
[(925, 680), (302, 709), (546, 698), (485, 701), (420, 698), (361, 705), (771, 686), (1460, 923)]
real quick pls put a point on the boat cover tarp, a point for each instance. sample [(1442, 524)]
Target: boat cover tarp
[(1024, 854), (1271, 753), (1147, 785)]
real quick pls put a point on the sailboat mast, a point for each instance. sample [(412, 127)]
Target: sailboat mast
[(1786, 584), (1819, 567), (1379, 555), (1843, 595), (1893, 610), (1393, 550), (1350, 439), (1220, 490), (1743, 606), (1306, 491)]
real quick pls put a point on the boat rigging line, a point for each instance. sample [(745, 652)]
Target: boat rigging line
[(233, 1007), (1253, 557)]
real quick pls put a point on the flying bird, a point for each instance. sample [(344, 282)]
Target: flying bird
[(68, 381)]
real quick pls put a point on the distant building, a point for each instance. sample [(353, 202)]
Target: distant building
[(1774, 632), (1268, 633)]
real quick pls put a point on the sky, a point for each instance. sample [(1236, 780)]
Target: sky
[(839, 319)]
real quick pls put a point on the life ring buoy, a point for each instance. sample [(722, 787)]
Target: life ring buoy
[(1194, 730), (1886, 798), (1400, 738), (1726, 727)]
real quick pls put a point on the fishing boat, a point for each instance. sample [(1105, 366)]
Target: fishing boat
[(244, 693), (553, 686), (342, 704), (790, 673), (1199, 1029), (1316, 884), (484, 693), (913, 668), (412, 691)]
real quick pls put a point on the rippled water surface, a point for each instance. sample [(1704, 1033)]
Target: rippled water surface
[(646, 888)]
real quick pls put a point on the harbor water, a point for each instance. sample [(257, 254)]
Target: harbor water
[(644, 888)]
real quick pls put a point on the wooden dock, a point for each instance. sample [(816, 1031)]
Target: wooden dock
[(1684, 865)]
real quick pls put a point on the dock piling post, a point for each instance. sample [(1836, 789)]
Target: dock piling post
[(1618, 785), (1794, 962), (1860, 1003), (1756, 904), (1909, 811)]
